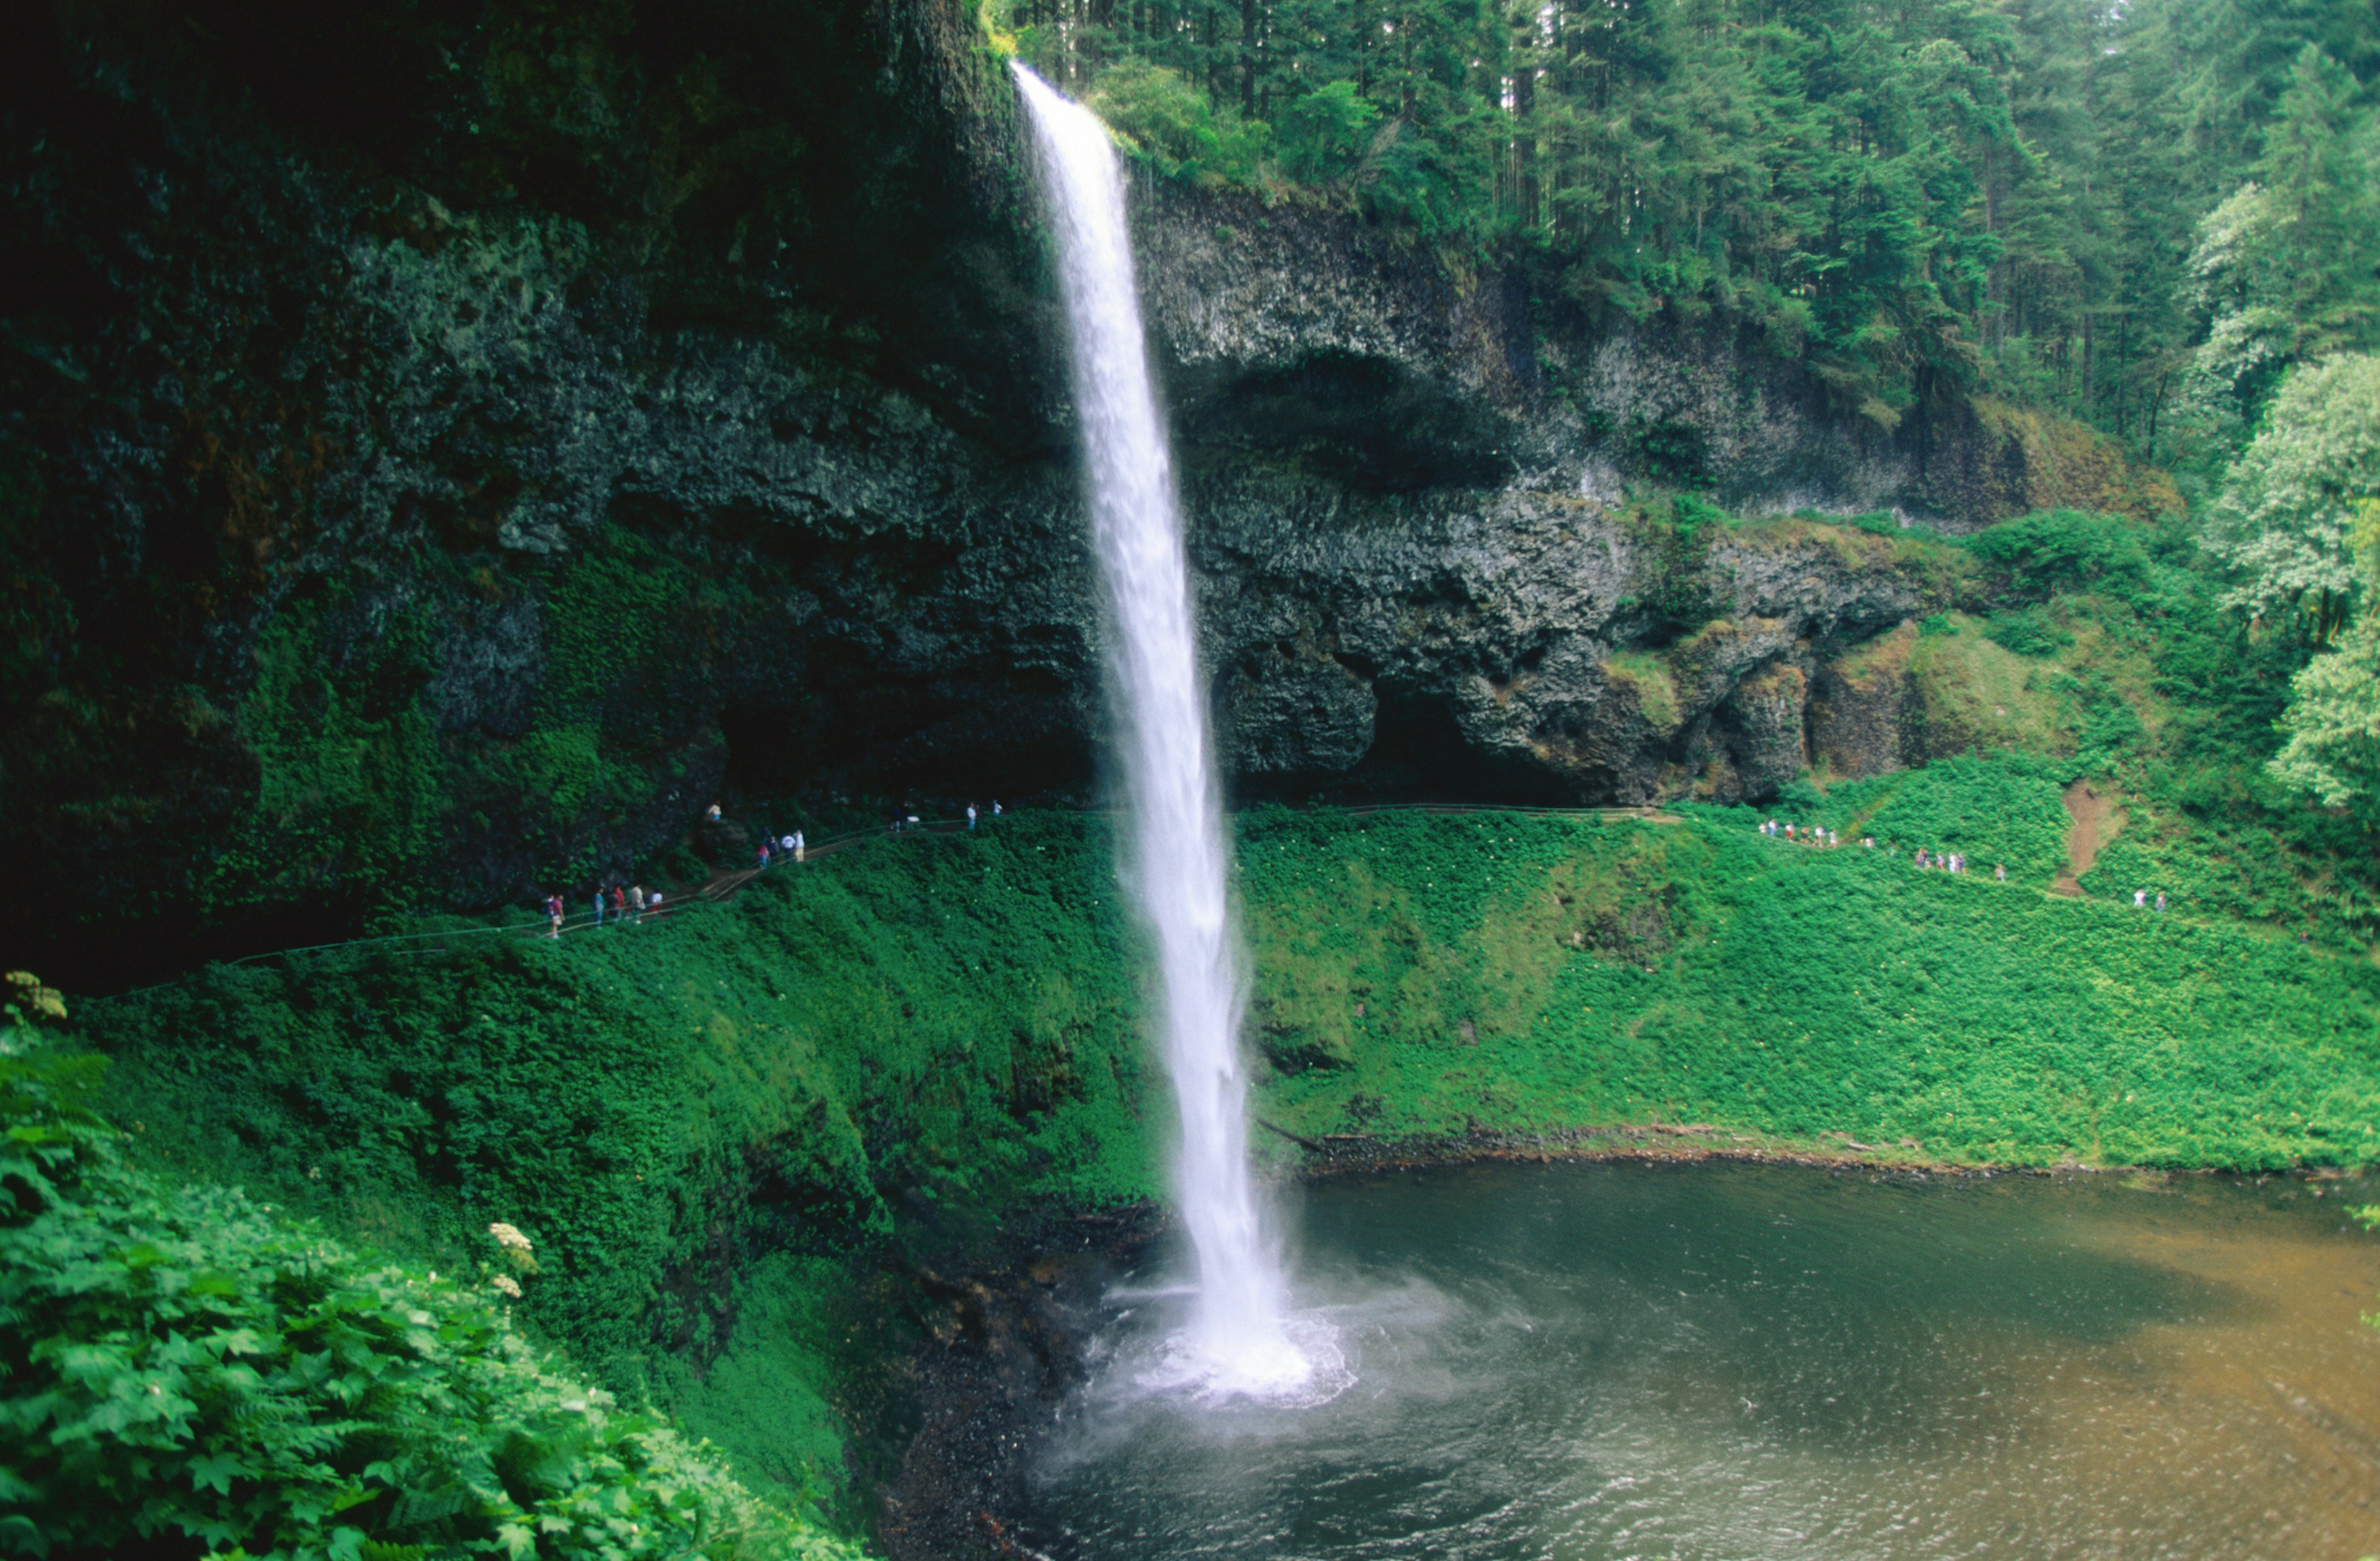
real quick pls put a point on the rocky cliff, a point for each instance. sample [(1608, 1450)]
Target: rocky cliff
[(443, 449)]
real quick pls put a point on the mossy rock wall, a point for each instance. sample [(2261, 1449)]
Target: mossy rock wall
[(440, 453)]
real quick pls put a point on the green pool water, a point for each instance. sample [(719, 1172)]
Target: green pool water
[(1724, 1360)]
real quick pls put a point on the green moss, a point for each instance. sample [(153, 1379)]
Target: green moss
[(349, 773), (1648, 677), (1978, 694)]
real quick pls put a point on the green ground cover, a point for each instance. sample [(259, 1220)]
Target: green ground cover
[(2096, 644), (1542, 975), (190, 1371), (872, 1050), (715, 1128)]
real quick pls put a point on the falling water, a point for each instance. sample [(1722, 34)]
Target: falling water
[(1240, 1340)]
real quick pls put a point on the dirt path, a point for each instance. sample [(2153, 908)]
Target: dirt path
[(2097, 820)]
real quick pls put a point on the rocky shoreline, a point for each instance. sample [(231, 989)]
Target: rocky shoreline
[(1007, 1342)]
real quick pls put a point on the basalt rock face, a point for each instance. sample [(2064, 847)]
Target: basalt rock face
[(1392, 364), (440, 453)]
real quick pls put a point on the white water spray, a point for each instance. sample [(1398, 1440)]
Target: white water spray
[(1240, 1340)]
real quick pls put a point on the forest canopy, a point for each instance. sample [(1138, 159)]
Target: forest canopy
[(2139, 215)]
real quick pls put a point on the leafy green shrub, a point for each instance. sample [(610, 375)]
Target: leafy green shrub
[(187, 1368), (1171, 124), (1322, 134), (2003, 809), (1692, 514), (2064, 550), (2028, 631)]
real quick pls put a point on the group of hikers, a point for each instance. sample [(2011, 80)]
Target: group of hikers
[(624, 902), (1929, 861), (793, 846), (905, 820), (630, 902)]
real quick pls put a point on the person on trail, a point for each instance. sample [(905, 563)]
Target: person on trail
[(1833, 839), (784, 845), (995, 807), (2160, 903), (1921, 856), (553, 915), (1867, 842), (599, 907), (637, 904), (800, 849), (653, 902), (713, 814), (761, 858), (619, 904), (2000, 871), (970, 815), (2140, 899)]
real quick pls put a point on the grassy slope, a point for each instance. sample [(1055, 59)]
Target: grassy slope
[(1541, 975), (944, 1024)]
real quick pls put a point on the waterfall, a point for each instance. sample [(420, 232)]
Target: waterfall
[(1239, 1340)]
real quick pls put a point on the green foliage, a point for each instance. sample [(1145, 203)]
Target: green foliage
[(188, 1368), (2289, 265), (2028, 631), (349, 770), (1693, 513), (2062, 550), (1324, 133), (2002, 809), (2333, 723), (1916, 201), (1171, 124), (2334, 715), (934, 1026), (2287, 511), (1537, 975)]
